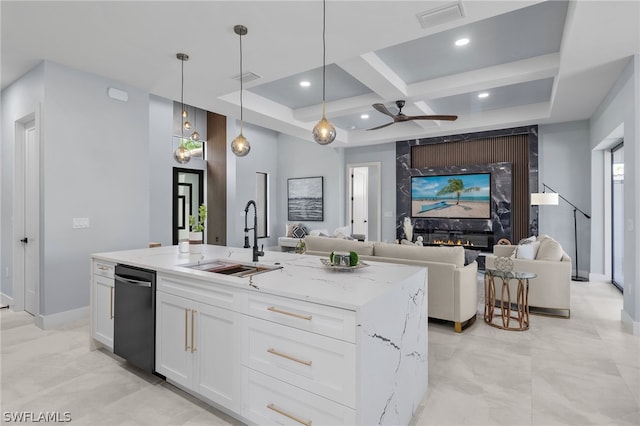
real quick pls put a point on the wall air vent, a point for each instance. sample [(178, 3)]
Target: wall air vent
[(247, 77), (441, 15)]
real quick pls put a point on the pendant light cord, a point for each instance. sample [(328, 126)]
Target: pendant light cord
[(324, 51), (182, 101), (241, 85)]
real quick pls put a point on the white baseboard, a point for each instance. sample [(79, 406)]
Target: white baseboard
[(598, 277), (46, 322), (629, 324), (6, 300)]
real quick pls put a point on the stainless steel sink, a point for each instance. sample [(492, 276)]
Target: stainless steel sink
[(234, 269)]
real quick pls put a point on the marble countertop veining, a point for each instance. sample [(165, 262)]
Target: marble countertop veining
[(302, 277)]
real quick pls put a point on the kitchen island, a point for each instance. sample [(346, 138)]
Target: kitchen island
[(302, 343)]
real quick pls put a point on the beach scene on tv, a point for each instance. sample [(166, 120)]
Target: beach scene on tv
[(451, 196)]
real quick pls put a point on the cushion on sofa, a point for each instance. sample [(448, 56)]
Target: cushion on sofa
[(470, 256), (327, 245), (454, 255), (549, 249)]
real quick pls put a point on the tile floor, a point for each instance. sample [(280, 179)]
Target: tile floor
[(579, 371)]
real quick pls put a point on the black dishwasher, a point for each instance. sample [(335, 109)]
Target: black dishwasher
[(134, 319)]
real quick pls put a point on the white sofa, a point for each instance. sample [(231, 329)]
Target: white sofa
[(452, 287), (551, 289)]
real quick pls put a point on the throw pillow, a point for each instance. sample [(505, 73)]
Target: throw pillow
[(299, 231), (527, 251), (319, 232), (549, 249), (470, 256), (531, 239), (344, 230), (289, 229)]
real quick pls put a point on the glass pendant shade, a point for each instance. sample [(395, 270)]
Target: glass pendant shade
[(240, 145), (184, 113), (324, 132), (195, 135), (187, 125), (182, 154)]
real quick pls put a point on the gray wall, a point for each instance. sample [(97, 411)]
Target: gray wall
[(621, 107), (386, 155), (298, 158), (95, 164), (241, 182), (565, 164)]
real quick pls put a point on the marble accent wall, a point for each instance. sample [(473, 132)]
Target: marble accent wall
[(501, 186)]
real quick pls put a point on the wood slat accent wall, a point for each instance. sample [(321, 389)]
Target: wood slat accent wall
[(511, 148), (216, 179)]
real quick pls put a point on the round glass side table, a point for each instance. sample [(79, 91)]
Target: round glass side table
[(503, 312)]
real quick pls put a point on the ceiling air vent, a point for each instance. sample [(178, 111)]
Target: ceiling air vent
[(247, 77), (441, 15)]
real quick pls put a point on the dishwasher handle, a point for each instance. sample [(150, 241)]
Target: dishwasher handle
[(133, 282)]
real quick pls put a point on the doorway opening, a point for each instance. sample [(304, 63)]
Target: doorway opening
[(364, 200), (188, 194), (617, 215), (26, 225)]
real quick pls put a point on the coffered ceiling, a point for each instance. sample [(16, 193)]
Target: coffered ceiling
[(538, 61)]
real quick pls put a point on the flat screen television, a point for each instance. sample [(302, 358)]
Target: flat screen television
[(465, 196)]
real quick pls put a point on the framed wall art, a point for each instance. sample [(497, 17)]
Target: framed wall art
[(305, 199)]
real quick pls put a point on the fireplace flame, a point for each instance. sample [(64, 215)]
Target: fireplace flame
[(451, 242)]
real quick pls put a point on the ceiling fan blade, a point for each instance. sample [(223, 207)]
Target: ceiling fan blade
[(383, 109), (433, 117), (380, 127)]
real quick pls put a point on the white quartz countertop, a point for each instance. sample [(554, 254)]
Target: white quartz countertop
[(302, 277)]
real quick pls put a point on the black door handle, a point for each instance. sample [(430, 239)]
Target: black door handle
[(24, 240)]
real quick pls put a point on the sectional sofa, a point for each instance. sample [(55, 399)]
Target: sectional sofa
[(452, 286)]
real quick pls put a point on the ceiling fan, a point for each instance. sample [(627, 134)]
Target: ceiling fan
[(400, 117)]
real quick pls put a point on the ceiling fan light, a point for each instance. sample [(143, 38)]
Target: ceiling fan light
[(182, 155), (324, 132), (240, 146)]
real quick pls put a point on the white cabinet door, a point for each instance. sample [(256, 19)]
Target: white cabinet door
[(103, 310), (175, 319), (217, 349)]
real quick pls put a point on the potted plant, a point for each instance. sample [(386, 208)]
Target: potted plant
[(196, 224)]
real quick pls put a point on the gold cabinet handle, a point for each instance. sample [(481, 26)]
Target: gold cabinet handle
[(292, 358), (193, 343), (292, 314), (110, 302), (186, 342), (286, 414)]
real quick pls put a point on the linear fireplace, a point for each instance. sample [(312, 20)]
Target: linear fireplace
[(480, 240)]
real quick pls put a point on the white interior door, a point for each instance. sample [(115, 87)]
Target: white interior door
[(360, 201), (31, 219), (26, 216)]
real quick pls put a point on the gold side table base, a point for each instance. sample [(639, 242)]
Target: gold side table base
[(508, 315)]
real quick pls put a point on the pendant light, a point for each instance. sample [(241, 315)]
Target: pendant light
[(324, 132), (195, 136), (182, 154), (240, 145)]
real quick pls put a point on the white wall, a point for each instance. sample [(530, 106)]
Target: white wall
[(621, 107), (94, 155), (20, 99), (299, 158), (386, 155), (564, 164)]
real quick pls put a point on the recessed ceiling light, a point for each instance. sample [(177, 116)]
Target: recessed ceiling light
[(483, 95), (305, 84), (364, 116), (462, 42)]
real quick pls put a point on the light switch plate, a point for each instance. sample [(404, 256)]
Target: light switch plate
[(80, 222)]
